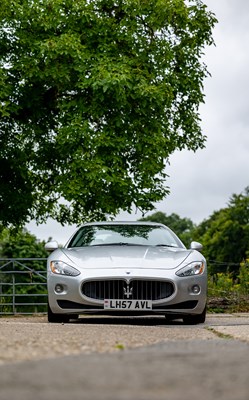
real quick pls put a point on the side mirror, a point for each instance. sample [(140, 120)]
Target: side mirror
[(196, 246), (51, 246)]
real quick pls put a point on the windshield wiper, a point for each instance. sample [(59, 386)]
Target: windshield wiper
[(165, 245), (117, 244)]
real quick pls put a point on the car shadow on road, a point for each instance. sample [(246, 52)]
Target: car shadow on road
[(137, 321)]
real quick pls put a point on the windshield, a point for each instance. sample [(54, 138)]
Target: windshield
[(130, 234)]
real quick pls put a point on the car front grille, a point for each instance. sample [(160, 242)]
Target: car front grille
[(120, 289)]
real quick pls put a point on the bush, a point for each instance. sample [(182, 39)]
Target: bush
[(229, 291)]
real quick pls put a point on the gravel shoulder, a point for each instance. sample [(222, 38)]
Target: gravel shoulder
[(32, 338)]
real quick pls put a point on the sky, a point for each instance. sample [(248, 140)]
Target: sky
[(203, 182)]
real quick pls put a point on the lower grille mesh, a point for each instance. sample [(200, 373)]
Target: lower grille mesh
[(135, 289)]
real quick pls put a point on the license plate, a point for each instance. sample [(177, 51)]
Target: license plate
[(114, 304)]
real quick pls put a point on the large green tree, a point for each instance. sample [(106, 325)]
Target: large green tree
[(225, 234), (20, 244), (95, 95)]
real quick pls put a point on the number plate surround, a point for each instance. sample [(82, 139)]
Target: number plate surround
[(132, 305)]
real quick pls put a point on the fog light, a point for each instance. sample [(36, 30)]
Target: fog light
[(59, 288), (196, 289)]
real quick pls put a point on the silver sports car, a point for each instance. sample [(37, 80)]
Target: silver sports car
[(126, 268)]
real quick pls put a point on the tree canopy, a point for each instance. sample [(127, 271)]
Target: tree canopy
[(225, 234), (95, 95), (20, 244)]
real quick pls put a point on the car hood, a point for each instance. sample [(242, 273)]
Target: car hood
[(108, 257)]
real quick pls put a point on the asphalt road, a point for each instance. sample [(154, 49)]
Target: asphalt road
[(207, 362)]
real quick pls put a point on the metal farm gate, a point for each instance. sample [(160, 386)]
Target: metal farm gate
[(23, 286)]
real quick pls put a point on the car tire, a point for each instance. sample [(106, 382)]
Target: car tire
[(58, 318), (195, 319)]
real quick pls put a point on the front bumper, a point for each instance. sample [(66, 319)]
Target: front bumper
[(184, 300)]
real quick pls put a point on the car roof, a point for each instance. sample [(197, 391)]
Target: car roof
[(124, 223)]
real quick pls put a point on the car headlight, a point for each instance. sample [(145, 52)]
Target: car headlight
[(61, 268), (195, 268)]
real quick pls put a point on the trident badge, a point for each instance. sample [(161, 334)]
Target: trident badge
[(128, 291)]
